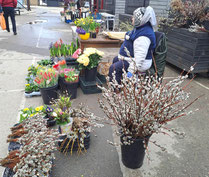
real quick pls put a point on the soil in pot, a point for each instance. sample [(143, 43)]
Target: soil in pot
[(90, 74), (48, 94), (133, 155)]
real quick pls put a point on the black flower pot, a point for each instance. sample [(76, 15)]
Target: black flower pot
[(206, 25), (90, 74), (50, 121), (71, 88), (133, 155), (61, 84), (93, 35), (48, 94)]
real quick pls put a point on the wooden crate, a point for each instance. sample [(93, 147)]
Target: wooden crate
[(186, 48)]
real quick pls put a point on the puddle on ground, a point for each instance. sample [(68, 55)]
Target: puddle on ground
[(37, 22)]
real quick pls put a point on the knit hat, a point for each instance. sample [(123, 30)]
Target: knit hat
[(137, 15), (143, 15)]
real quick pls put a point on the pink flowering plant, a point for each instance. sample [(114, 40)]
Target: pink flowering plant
[(72, 75), (47, 77)]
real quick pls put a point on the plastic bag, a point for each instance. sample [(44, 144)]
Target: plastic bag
[(2, 22)]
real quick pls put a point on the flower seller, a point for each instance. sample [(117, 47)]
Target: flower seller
[(140, 42)]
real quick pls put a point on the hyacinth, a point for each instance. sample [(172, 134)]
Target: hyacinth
[(141, 105)]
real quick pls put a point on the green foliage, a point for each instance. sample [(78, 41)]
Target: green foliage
[(45, 62), (61, 108)]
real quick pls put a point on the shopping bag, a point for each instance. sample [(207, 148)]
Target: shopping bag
[(2, 22)]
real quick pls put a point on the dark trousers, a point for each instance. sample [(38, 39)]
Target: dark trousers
[(118, 66), (9, 11)]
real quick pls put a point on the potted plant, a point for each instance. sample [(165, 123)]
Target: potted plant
[(89, 61), (47, 114), (92, 29), (29, 112), (76, 136), (47, 81), (84, 24), (185, 45), (37, 146), (140, 106), (61, 109), (71, 82), (97, 27)]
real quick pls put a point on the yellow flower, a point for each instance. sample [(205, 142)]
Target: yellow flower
[(89, 51), (100, 53), (26, 109), (86, 62), (41, 108), (31, 115), (50, 69), (27, 85), (37, 109), (29, 68)]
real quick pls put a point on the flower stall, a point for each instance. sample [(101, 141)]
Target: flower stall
[(188, 39)]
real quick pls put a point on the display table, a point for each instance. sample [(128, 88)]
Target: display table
[(100, 42)]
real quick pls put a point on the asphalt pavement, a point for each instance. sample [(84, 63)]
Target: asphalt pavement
[(184, 157)]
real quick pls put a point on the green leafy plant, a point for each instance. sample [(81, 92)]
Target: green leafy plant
[(45, 62), (29, 112), (31, 87)]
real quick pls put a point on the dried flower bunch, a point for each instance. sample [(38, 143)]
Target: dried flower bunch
[(82, 124), (144, 105), (34, 158)]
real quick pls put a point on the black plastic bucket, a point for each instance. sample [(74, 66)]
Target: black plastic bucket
[(49, 93), (90, 75), (133, 155), (71, 88), (61, 84)]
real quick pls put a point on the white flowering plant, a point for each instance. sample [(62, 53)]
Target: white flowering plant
[(142, 105), (90, 58), (34, 158)]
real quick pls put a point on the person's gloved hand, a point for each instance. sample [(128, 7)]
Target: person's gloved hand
[(129, 74)]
